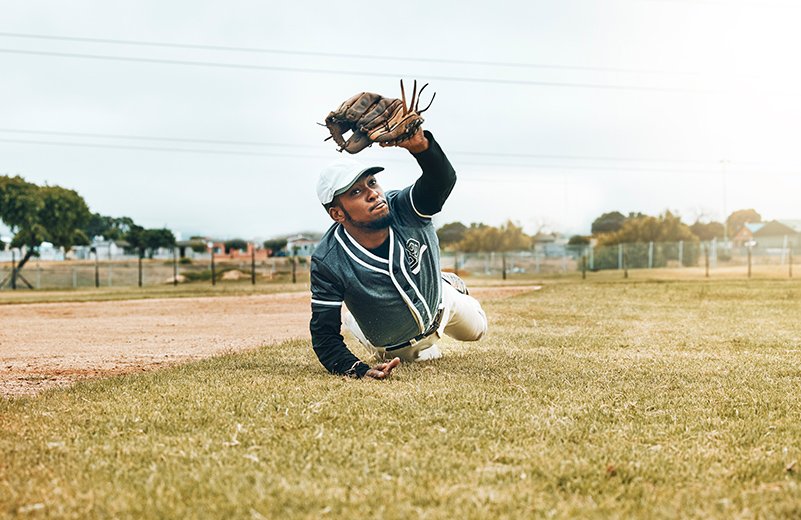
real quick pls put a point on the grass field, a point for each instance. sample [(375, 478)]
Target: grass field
[(641, 399)]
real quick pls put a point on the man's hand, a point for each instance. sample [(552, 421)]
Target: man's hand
[(415, 144), (382, 370)]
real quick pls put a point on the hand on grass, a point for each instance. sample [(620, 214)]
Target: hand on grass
[(382, 370)]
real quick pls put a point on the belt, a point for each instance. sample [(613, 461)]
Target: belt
[(420, 337)]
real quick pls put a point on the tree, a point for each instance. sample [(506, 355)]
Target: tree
[(608, 223), (156, 238), (275, 245), (451, 234), (707, 231), (739, 218), (148, 241), (474, 238), (481, 237), (110, 228), (64, 215), (578, 240), (37, 214), (638, 232), (235, 243), (136, 240), (665, 228)]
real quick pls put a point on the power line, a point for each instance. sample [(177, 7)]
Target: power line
[(729, 3), (152, 138), (293, 145), (243, 66), (157, 148), (317, 156), (290, 52)]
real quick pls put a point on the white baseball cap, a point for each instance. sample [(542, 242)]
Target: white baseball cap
[(340, 175)]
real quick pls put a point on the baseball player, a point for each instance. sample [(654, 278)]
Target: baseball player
[(381, 260)]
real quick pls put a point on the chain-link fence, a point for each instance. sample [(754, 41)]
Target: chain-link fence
[(672, 260), (131, 273), (710, 257)]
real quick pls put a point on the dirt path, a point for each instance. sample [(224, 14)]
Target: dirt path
[(53, 344)]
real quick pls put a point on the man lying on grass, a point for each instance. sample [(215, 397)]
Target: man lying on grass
[(381, 259)]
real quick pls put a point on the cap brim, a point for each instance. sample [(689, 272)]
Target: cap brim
[(366, 171)]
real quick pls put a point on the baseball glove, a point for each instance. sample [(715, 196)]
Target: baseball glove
[(376, 119)]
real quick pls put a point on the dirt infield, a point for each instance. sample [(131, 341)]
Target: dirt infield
[(46, 345)]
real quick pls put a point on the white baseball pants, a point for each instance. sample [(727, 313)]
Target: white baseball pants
[(463, 320)]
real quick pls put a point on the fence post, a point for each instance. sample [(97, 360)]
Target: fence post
[(213, 268), (140, 268), (97, 269), (253, 264), (294, 265), (174, 267), (584, 267), (681, 253), (625, 259), (784, 249), (13, 270), (749, 261), (503, 265)]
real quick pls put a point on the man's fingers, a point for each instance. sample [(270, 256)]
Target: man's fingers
[(383, 370), (375, 374)]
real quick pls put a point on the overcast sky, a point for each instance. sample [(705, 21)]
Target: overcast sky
[(552, 112)]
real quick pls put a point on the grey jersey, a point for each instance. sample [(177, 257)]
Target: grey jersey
[(391, 299)]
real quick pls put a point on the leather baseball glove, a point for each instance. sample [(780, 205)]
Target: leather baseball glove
[(376, 119)]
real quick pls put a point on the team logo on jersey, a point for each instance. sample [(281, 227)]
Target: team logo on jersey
[(414, 252)]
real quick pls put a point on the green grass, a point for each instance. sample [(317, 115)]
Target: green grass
[(641, 399)]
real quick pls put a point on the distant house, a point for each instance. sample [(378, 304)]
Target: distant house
[(193, 248), (46, 252), (247, 253), (301, 245), (106, 250), (745, 235), (550, 244), (778, 234)]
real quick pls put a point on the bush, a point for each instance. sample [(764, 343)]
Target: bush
[(198, 276)]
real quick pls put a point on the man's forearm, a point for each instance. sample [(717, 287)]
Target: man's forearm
[(437, 180), (330, 348)]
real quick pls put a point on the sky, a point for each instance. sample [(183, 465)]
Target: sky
[(202, 116)]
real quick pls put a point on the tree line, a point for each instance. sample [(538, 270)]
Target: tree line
[(60, 216)]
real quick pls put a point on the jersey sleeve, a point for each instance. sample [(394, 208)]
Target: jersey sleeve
[(432, 189), (326, 325)]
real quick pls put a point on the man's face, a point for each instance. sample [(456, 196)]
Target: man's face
[(363, 205)]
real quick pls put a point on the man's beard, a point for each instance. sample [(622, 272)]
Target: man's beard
[(379, 223)]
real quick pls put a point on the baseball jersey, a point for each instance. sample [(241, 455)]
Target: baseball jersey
[(395, 296)]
